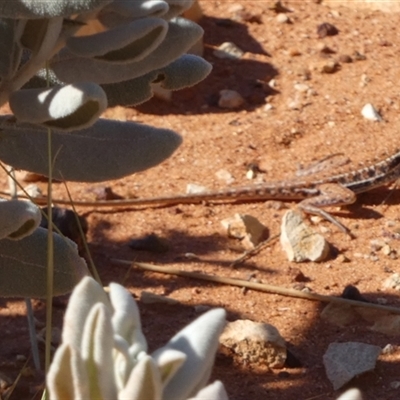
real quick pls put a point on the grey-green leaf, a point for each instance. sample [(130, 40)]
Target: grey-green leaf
[(106, 150), (67, 107), (27, 9), (177, 7), (18, 218), (70, 68), (7, 45), (33, 33), (199, 341), (186, 71), (126, 43), (121, 12), (23, 266)]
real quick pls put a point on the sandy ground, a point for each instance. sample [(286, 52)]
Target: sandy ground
[(280, 129)]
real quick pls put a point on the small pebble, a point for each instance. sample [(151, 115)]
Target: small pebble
[(326, 29), (297, 275), (282, 18), (235, 8), (230, 99), (386, 250), (294, 52), (278, 7), (228, 50), (389, 349), (376, 244), (328, 67), (357, 56), (369, 112), (301, 87), (244, 16), (191, 256), (350, 292), (395, 385), (192, 188), (304, 73), (364, 80), (381, 300), (342, 258), (345, 59), (251, 174), (324, 49), (268, 107), (105, 193), (225, 176), (393, 282)]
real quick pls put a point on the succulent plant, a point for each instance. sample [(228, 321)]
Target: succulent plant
[(62, 63), (103, 354)]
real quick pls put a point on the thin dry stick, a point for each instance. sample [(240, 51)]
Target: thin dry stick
[(250, 253), (83, 237), (10, 390), (262, 287)]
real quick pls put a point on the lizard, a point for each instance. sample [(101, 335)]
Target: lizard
[(313, 195)]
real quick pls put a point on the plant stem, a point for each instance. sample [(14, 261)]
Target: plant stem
[(29, 310), (50, 259)]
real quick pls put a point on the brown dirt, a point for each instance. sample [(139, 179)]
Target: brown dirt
[(327, 122)]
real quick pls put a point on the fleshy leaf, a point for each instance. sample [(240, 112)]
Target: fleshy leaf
[(70, 68), (18, 219), (169, 362), (199, 341), (144, 382), (85, 295), (184, 72), (126, 43), (40, 36), (121, 11), (23, 265), (177, 7), (67, 377), (126, 319), (214, 391), (96, 350), (33, 33), (106, 150), (7, 46), (68, 107), (47, 9)]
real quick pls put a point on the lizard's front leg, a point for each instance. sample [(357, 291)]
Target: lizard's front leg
[(331, 194)]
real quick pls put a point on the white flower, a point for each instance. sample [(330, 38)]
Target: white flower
[(103, 354)]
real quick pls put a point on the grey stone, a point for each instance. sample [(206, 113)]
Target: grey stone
[(228, 50), (246, 228), (255, 342), (344, 361), (230, 99), (299, 241)]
